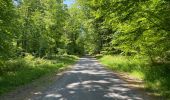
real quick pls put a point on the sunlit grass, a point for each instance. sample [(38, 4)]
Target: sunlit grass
[(24, 70), (155, 76), (122, 63), (137, 74)]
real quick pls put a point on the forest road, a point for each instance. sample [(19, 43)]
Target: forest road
[(89, 80)]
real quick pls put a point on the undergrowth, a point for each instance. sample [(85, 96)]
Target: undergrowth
[(20, 71), (156, 76)]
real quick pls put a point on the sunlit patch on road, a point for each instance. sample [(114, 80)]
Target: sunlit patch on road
[(88, 80)]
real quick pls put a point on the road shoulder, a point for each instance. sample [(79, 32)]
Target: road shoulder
[(36, 87)]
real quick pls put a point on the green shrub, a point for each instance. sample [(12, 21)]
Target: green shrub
[(156, 76), (21, 71)]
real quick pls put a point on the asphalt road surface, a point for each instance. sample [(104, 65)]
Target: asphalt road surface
[(89, 80)]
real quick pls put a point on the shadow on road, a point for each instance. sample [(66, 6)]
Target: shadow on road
[(89, 81)]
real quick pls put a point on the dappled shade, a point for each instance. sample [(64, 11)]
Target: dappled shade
[(89, 81)]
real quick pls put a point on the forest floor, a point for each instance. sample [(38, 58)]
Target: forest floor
[(86, 80)]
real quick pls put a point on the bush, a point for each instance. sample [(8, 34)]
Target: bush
[(156, 76), (21, 71)]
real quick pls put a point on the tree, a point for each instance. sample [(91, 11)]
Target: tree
[(133, 27), (7, 18)]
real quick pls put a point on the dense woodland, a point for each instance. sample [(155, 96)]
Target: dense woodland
[(38, 27), (132, 27), (42, 28)]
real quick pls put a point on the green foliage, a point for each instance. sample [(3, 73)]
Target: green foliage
[(22, 71), (156, 77), (48, 27), (7, 14), (129, 26), (40, 28), (122, 63)]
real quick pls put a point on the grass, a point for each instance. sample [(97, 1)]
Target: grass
[(156, 76), (17, 72)]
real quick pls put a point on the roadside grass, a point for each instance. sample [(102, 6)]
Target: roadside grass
[(156, 77), (17, 72)]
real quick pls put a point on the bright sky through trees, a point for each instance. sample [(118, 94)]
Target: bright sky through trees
[(69, 2)]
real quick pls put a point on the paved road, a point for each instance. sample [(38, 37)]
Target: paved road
[(88, 80)]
